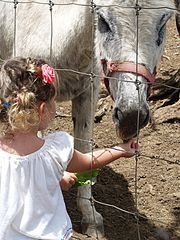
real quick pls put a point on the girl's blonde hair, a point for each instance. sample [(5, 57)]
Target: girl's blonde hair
[(21, 90)]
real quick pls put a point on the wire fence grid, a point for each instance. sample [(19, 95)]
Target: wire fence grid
[(93, 75)]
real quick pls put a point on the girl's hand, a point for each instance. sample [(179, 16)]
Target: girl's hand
[(129, 149), (67, 181)]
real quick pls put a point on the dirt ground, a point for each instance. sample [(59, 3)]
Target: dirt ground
[(158, 170)]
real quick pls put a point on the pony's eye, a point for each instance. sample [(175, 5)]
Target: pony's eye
[(161, 28), (160, 35), (103, 25)]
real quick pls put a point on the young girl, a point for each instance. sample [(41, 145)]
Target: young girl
[(31, 201)]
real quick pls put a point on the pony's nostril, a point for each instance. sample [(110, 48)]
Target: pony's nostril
[(117, 115), (145, 120)]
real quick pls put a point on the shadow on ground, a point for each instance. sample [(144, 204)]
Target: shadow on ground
[(112, 188)]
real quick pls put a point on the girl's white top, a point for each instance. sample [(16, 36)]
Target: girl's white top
[(31, 201)]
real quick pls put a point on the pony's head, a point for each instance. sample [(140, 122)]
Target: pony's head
[(129, 42)]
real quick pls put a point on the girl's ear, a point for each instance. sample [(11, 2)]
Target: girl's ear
[(42, 109)]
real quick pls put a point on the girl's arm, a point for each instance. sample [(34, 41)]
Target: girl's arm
[(81, 162)]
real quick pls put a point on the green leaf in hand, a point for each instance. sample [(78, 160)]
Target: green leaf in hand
[(86, 178)]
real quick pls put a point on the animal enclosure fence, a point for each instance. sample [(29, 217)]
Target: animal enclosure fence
[(92, 75)]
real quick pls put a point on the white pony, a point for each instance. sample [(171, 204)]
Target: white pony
[(128, 39)]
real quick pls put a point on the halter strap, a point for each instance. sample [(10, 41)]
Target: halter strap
[(127, 67)]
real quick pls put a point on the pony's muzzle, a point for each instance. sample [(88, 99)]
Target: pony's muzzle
[(129, 123)]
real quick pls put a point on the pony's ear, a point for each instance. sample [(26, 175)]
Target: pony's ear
[(177, 2)]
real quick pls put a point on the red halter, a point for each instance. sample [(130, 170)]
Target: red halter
[(128, 67)]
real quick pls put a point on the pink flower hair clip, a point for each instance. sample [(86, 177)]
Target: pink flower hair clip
[(46, 73)]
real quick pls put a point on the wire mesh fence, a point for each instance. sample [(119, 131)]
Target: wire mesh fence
[(91, 6)]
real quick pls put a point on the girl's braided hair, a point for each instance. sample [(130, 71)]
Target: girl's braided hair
[(21, 89)]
